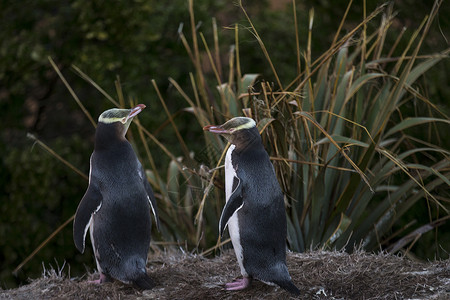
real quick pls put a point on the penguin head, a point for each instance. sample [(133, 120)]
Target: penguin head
[(119, 119), (239, 131)]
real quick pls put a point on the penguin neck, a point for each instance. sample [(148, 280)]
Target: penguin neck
[(247, 140), (108, 135)]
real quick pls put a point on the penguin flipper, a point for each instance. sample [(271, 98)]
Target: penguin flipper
[(233, 204), (89, 204), (151, 198)]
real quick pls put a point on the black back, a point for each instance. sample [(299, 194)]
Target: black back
[(122, 226)]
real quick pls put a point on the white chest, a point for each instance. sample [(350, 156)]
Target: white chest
[(233, 223), (230, 173)]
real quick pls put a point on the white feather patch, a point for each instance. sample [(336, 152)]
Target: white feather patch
[(85, 232), (151, 205), (90, 225), (91, 231), (96, 253)]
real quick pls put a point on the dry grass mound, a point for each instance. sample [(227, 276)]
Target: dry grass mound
[(318, 274)]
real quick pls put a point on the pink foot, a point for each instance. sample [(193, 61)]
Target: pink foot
[(238, 284), (103, 278)]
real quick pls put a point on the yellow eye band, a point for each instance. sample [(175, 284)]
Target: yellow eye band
[(110, 120), (250, 124)]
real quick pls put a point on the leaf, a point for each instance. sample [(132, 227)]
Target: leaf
[(173, 185), (151, 175), (416, 233), (421, 68), (230, 99), (262, 124), (410, 122), (341, 62), (247, 81), (360, 82), (339, 101), (281, 141), (341, 139), (344, 223), (292, 236), (319, 206)]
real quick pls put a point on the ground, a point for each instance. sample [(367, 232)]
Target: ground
[(318, 275)]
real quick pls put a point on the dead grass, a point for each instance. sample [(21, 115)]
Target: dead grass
[(318, 274)]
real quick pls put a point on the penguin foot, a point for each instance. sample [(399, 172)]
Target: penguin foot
[(238, 284), (103, 278)]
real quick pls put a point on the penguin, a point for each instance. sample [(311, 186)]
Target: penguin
[(254, 211), (117, 203)]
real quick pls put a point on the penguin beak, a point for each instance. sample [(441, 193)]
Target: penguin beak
[(135, 111), (216, 129)]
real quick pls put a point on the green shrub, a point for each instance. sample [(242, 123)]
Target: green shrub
[(338, 136), (345, 132)]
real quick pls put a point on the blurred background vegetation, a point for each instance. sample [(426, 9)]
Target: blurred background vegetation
[(131, 43)]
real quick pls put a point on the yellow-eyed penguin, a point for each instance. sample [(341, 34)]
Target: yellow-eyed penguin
[(254, 209), (117, 203)]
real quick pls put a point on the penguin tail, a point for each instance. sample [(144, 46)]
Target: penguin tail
[(288, 286), (143, 281)]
